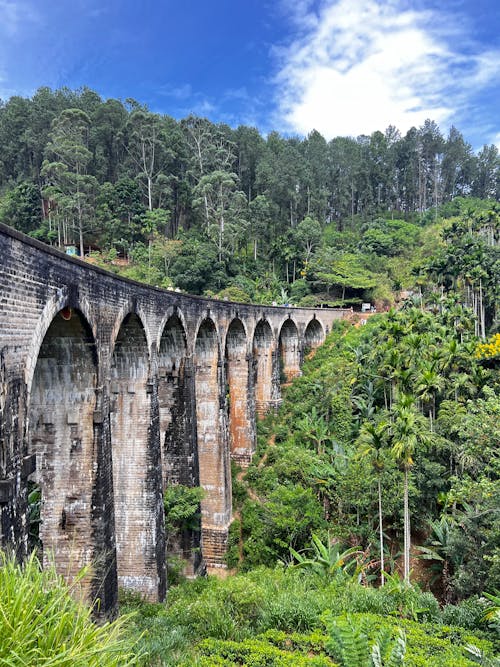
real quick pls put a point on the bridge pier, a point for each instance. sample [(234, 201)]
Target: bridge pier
[(240, 395), (61, 437), (290, 351), (266, 366), (136, 465), (213, 451)]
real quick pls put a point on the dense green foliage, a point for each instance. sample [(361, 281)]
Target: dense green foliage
[(403, 398), (384, 454), (407, 395), (286, 617), (42, 624), (204, 207)]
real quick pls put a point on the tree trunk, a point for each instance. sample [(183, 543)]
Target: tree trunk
[(381, 534), (407, 540), (150, 193)]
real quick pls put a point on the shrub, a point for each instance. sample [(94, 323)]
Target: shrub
[(41, 624)]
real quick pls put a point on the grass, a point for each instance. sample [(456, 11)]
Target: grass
[(42, 625)]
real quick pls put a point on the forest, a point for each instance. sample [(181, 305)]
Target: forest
[(206, 208), (366, 530)]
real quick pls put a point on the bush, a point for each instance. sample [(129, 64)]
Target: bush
[(255, 653), (41, 624)]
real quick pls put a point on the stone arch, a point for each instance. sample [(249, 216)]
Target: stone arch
[(125, 313), (135, 453), (314, 335), (52, 307), (241, 410), (176, 313), (213, 452), (61, 436), (265, 382), (289, 350)]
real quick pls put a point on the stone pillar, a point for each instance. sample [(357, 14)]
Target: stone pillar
[(13, 506), (136, 465), (241, 395), (213, 450), (105, 583)]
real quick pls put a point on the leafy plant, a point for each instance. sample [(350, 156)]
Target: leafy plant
[(350, 645), (42, 623), (328, 560)]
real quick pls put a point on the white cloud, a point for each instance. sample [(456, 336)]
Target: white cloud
[(361, 65)]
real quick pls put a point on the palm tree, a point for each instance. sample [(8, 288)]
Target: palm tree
[(372, 441), (429, 384), (409, 432)]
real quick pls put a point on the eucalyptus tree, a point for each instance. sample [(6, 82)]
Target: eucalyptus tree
[(343, 167), (280, 176), (315, 154), (224, 206), (430, 150), (260, 217), (106, 133), (14, 156), (211, 152), (143, 145), (457, 169), (249, 147), (486, 182), (65, 173)]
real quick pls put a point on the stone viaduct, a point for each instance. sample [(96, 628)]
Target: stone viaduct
[(110, 390)]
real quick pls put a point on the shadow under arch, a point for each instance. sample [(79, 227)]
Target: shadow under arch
[(241, 409), (61, 435), (314, 335), (177, 412), (136, 469), (266, 368), (289, 350)]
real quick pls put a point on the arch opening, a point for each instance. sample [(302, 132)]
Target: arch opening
[(178, 432), (265, 384), (213, 452), (314, 336), (241, 402), (289, 350), (135, 493), (61, 436)]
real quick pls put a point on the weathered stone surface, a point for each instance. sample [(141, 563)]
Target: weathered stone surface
[(118, 389)]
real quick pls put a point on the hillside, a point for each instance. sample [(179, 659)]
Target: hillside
[(207, 208), (407, 396)]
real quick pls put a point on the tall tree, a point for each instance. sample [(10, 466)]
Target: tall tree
[(409, 435), (372, 442), (66, 177)]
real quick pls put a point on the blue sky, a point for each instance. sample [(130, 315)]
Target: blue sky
[(343, 67)]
